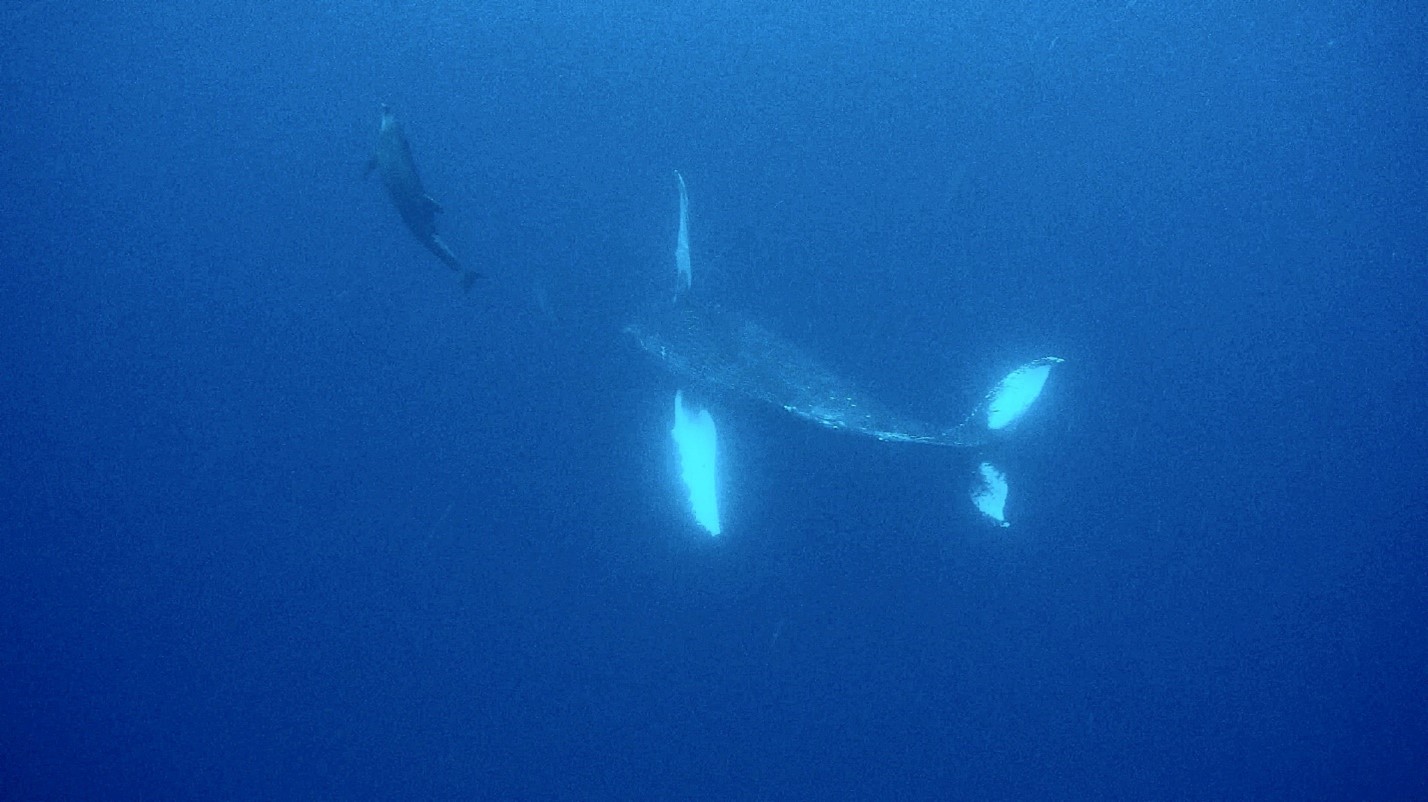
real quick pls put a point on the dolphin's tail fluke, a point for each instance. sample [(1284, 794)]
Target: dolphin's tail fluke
[(468, 277)]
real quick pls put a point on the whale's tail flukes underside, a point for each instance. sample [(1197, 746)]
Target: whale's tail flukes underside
[(998, 413), (1006, 403), (989, 493)]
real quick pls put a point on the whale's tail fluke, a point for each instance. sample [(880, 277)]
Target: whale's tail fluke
[(997, 414), (989, 493), (1005, 404)]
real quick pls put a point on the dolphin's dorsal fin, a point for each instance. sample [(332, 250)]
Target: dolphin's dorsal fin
[(371, 165), (431, 204)]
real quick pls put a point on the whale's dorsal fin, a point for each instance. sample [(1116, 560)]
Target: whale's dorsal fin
[(429, 203)]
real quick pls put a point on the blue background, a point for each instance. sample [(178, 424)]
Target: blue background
[(287, 515)]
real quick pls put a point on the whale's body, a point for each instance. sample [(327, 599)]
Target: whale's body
[(725, 354), (719, 353)]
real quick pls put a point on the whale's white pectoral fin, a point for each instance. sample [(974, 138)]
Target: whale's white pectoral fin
[(696, 440), (989, 493), (685, 273)]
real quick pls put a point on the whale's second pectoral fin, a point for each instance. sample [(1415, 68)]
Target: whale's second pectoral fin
[(684, 275), (696, 441)]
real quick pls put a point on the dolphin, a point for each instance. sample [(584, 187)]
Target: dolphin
[(393, 162)]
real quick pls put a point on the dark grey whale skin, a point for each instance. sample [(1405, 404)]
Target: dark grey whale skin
[(394, 164), (725, 353)]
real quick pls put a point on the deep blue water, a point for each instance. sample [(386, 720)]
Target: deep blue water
[(286, 515)]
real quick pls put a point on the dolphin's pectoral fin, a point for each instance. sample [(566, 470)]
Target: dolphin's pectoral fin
[(430, 204)]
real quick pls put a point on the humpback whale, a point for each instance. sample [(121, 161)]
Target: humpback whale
[(394, 164), (722, 353)]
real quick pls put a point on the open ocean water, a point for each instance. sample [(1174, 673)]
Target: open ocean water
[(286, 514)]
